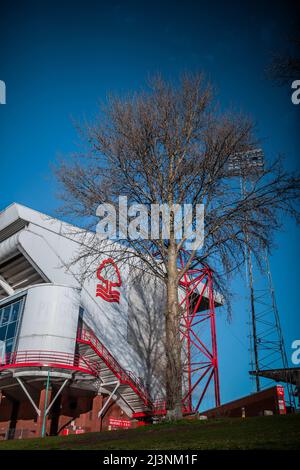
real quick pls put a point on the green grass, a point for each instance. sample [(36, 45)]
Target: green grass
[(270, 432)]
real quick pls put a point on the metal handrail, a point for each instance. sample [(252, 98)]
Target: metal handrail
[(47, 358), (160, 407), (126, 376)]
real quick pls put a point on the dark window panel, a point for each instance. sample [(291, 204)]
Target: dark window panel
[(11, 330), (3, 333), (6, 312), (9, 345), (15, 311)]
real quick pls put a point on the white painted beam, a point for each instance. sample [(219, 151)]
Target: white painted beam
[(8, 289)]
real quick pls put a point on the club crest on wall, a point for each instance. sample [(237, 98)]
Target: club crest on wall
[(109, 275)]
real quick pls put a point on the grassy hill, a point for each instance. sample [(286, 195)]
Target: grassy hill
[(272, 432)]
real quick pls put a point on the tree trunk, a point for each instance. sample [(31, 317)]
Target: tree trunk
[(173, 345)]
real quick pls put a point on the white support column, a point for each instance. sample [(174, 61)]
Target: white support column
[(38, 412), (4, 284), (109, 399), (57, 394)]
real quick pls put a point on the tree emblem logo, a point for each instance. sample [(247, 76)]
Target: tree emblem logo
[(109, 275)]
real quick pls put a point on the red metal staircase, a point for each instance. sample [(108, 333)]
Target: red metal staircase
[(131, 389)]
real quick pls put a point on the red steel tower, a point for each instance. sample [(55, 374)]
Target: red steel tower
[(200, 362)]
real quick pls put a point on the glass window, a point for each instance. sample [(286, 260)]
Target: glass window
[(9, 345), (3, 333), (15, 311), (6, 312), (11, 330), (10, 316)]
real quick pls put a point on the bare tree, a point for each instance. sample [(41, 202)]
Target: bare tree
[(170, 144)]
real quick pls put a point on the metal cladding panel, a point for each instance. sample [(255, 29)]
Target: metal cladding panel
[(109, 319), (50, 319), (50, 253)]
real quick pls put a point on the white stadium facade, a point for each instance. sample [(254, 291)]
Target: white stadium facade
[(76, 354)]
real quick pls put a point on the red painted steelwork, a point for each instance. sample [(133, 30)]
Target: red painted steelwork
[(200, 367), (125, 376)]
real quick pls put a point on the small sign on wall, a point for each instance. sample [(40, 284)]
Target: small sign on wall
[(116, 423), (281, 400)]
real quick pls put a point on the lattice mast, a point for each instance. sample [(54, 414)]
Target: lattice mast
[(267, 349), (200, 364)]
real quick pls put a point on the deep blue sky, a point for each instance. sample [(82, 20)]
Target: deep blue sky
[(60, 58)]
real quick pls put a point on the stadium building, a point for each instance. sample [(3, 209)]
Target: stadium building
[(75, 352)]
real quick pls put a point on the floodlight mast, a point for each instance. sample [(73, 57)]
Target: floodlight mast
[(243, 165), (266, 338)]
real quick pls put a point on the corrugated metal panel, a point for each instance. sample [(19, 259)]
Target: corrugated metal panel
[(13, 228), (19, 273)]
